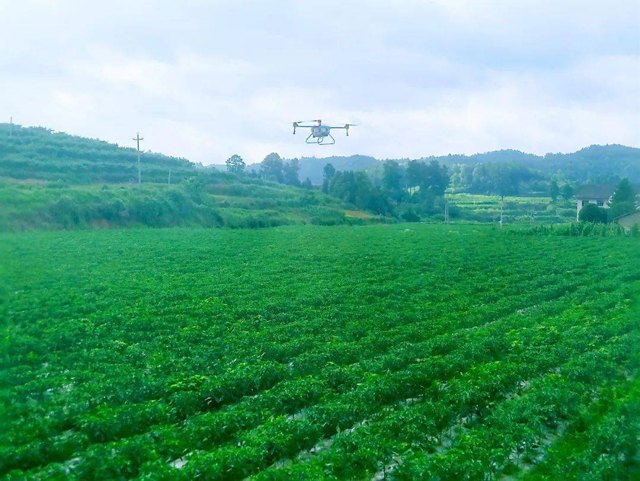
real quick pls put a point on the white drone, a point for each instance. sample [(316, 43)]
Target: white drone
[(319, 133)]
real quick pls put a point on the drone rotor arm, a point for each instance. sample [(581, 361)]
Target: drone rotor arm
[(344, 127), (300, 125)]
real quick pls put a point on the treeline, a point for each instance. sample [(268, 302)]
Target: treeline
[(409, 192), (273, 168), (501, 178), (528, 173), (406, 191)]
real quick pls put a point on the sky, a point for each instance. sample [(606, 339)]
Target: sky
[(207, 79)]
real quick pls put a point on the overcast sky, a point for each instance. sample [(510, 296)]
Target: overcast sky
[(207, 79)]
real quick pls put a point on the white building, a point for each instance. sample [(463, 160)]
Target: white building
[(599, 194)]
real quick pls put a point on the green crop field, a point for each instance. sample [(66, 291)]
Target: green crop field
[(486, 208), (306, 352)]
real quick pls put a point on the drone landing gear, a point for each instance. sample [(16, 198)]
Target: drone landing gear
[(320, 140)]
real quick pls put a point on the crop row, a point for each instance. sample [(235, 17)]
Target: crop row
[(328, 352)]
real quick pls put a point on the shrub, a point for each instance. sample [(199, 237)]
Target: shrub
[(593, 213)]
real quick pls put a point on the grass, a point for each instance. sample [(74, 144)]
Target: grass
[(213, 200), (412, 351)]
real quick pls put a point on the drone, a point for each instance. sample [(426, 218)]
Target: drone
[(319, 133)]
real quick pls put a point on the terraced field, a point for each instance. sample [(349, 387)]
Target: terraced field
[(391, 351), (486, 208)]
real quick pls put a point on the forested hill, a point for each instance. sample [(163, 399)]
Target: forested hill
[(39, 153), (595, 163)]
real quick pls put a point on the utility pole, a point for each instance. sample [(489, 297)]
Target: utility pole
[(446, 212), (531, 211), (10, 126), (501, 202), (169, 176), (138, 139)]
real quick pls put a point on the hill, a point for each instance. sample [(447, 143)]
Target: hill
[(594, 163), (58, 181), (39, 153)]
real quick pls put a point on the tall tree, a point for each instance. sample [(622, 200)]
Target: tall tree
[(235, 164), (290, 172), (432, 178), (438, 178), (624, 192), (567, 191), (415, 172), (272, 167), (328, 173), (624, 199), (392, 179)]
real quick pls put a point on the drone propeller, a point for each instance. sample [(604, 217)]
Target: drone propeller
[(346, 127), (296, 124)]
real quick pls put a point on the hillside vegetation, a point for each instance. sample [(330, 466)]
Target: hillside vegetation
[(55, 180), (39, 153), (209, 200), (434, 352), (59, 181)]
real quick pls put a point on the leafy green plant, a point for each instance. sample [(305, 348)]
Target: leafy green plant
[(408, 351)]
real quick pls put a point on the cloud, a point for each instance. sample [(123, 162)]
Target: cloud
[(205, 80)]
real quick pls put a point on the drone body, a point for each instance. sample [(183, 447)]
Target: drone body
[(319, 133)]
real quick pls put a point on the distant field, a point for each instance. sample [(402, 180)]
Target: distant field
[(486, 208), (408, 351)]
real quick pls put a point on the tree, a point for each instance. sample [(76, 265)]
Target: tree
[(290, 172), (593, 213), (437, 179), (307, 184), (328, 173), (432, 178), (235, 164), (567, 191), (392, 179), (271, 168), (624, 192), (377, 202), (623, 200), (415, 172), (621, 208), (554, 190)]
